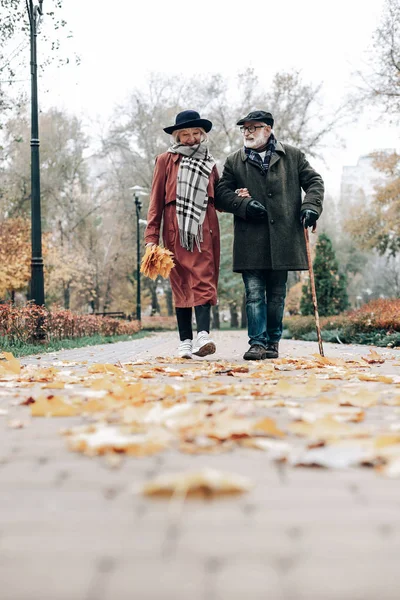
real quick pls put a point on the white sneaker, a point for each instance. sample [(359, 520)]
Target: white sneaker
[(185, 349), (203, 344)]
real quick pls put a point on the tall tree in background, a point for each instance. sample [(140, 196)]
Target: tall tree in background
[(381, 80), (14, 46), (15, 257), (377, 226), (329, 282), (85, 240)]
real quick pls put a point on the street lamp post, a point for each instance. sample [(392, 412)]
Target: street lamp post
[(37, 280), (137, 191)]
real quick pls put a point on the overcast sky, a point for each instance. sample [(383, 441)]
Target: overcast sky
[(120, 42)]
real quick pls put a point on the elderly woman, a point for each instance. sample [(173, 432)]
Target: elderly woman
[(182, 196)]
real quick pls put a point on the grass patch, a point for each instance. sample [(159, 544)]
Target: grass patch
[(22, 349)]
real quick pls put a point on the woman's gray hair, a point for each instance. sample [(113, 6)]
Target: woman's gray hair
[(175, 134)]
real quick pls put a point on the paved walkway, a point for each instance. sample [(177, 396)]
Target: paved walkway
[(71, 528)]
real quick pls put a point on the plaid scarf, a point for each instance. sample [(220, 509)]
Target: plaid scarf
[(191, 192), (255, 158)]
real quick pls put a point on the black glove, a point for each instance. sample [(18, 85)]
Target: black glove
[(308, 217), (255, 210)]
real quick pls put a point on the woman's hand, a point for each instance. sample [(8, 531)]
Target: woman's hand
[(243, 193)]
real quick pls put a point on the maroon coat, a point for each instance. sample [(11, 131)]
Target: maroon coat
[(194, 278)]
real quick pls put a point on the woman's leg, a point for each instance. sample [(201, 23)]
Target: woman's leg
[(203, 345), (184, 318), (202, 313)]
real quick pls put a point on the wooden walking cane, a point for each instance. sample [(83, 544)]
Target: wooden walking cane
[(313, 292)]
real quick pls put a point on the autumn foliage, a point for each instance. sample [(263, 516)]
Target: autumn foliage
[(15, 255), (19, 324), (377, 315), (157, 261)]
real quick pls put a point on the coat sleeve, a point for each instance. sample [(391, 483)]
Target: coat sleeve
[(313, 185), (225, 198), (214, 178), (157, 203)]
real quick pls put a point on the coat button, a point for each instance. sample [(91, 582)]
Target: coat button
[(234, 204), (318, 201), (272, 221), (269, 195)]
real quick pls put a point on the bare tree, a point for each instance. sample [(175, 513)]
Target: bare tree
[(380, 79)]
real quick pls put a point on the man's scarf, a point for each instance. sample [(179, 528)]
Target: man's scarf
[(191, 191), (255, 158)]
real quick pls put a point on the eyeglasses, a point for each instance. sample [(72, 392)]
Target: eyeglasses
[(251, 128)]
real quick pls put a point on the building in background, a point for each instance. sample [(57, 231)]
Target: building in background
[(358, 182)]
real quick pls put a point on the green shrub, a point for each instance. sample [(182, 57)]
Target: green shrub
[(330, 284)]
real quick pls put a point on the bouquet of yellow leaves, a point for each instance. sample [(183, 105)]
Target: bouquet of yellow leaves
[(157, 261)]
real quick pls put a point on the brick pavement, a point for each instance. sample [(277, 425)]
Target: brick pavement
[(71, 529)]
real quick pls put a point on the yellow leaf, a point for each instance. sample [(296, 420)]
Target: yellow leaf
[(11, 363), (53, 407), (268, 427), (206, 481)]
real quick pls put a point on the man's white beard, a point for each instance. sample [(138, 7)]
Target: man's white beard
[(258, 141)]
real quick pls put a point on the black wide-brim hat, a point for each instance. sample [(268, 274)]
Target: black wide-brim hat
[(258, 115), (189, 118)]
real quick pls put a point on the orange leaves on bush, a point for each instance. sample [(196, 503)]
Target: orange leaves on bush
[(19, 324), (377, 314), (157, 261)]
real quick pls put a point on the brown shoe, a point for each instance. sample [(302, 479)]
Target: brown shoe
[(272, 350), (255, 352)]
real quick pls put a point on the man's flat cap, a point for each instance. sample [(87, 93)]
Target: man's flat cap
[(258, 115)]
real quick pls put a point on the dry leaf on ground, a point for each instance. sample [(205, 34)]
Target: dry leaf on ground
[(267, 427), (324, 429), (104, 438), (333, 457), (205, 481), (373, 358)]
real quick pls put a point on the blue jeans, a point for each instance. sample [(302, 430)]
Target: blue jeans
[(265, 302)]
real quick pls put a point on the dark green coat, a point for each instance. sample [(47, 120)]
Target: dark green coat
[(277, 243)]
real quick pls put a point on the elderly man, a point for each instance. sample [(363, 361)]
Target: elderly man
[(262, 186)]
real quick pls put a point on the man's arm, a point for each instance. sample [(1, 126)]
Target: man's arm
[(312, 184), (226, 200)]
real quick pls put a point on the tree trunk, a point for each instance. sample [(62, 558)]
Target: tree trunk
[(168, 296), (97, 299), (243, 321), (215, 317), (67, 296), (155, 307), (234, 315)]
